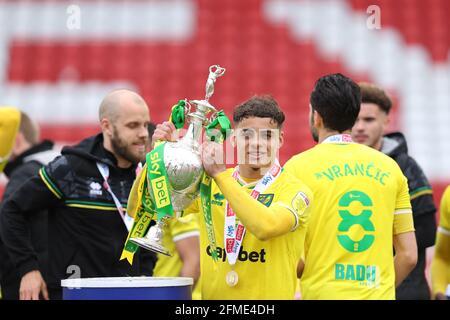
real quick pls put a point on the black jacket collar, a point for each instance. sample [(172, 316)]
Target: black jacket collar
[(92, 149), (18, 161)]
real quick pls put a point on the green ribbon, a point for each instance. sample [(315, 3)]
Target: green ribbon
[(177, 115), (224, 124), (144, 215), (157, 176), (205, 195), (142, 223)]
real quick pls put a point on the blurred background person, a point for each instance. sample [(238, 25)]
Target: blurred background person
[(85, 191), (28, 155), (369, 129), (181, 238), (440, 267)]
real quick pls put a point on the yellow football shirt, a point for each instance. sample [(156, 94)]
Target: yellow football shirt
[(440, 267), (444, 220), (173, 231), (360, 201), (266, 269)]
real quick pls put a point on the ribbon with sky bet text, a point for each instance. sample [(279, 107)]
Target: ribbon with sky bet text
[(205, 197), (220, 120), (154, 172), (141, 208), (224, 124)]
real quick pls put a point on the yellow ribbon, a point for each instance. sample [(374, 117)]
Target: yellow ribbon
[(142, 218)]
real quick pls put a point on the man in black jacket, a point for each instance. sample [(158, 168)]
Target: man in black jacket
[(369, 128), (27, 157), (85, 191)]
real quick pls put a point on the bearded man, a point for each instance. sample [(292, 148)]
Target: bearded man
[(85, 191)]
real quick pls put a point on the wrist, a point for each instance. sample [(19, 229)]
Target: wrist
[(221, 175), (27, 267), (218, 172)]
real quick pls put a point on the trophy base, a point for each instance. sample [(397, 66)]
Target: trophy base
[(151, 245)]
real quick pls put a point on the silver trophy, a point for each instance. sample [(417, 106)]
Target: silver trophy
[(183, 164)]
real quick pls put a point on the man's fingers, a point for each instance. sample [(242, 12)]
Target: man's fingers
[(207, 153), (170, 125), (44, 291), (160, 134), (35, 294), (26, 294), (213, 152), (165, 131)]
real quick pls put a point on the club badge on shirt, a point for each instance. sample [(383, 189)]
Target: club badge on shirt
[(300, 202)]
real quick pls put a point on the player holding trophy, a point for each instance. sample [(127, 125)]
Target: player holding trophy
[(255, 214)]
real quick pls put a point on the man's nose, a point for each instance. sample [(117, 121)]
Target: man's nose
[(143, 132), (254, 142), (358, 126)]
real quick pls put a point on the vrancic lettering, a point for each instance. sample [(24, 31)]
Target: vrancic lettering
[(369, 170)]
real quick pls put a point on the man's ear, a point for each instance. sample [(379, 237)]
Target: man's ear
[(106, 126), (18, 146), (281, 137), (387, 122), (317, 118)]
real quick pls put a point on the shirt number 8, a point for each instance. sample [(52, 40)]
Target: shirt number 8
[(348, 220)]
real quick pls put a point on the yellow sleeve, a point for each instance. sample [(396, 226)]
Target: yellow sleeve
[(266, 222), (9, 125), (290, 166), (403, 223), (193, 208), (403, 219), (444, 221), (297, 198), (440, 267), (184, 227)]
